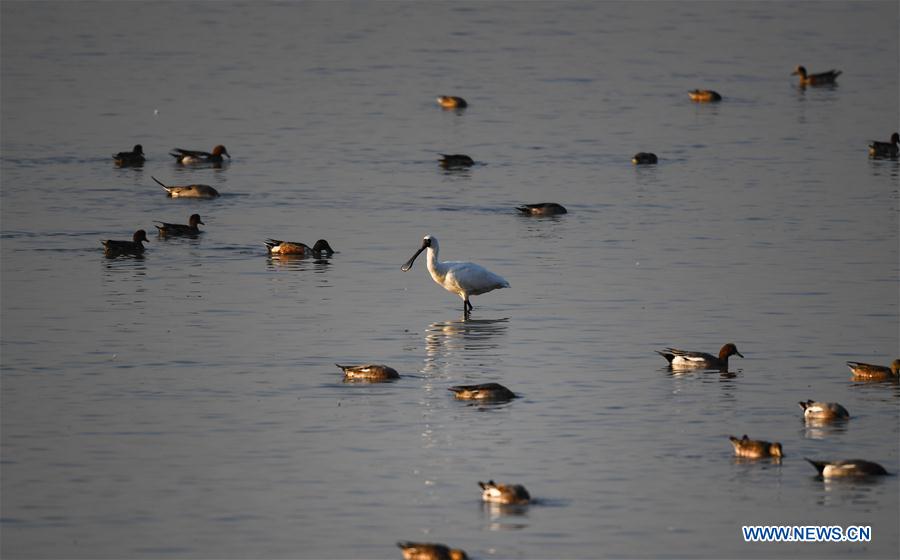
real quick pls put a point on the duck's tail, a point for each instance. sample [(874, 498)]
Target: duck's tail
[(819, 465), (272, 243), (160, 183), (667, 355)]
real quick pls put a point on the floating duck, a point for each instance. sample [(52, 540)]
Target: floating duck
[(430, 551), (644, 158), (278, 247), (848, 468), (820, 79), (870, 372), (369, 372), (464, 279), (511, 494), (755, 448), (189, 191), (542, 209), (167, 229), (704, 95), (452, 102), (683, 359), (189, 157), (134, 158), (813, 410), (115, 248), (456, 160), (886, 149), (483, 392)]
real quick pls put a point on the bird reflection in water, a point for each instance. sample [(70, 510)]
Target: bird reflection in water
[(817, 428), (463, 339), (505, 517), (298, 262)]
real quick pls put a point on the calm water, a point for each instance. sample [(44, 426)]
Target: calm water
[(186, 405)]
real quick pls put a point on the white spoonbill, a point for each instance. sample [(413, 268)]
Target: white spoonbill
[(462, 278)]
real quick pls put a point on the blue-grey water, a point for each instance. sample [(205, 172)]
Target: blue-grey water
[(186, 405)]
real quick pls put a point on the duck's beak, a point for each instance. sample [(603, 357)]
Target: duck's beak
[(412, 259), (738, 353)]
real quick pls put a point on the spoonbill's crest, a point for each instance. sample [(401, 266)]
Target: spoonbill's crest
[(464, 279)]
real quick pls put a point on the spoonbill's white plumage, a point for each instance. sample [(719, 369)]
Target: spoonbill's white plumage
[(464, 279)]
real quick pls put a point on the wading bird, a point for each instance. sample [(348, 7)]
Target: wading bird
[(462, 278)]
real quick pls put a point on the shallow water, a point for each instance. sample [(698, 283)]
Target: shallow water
[(186, 405)]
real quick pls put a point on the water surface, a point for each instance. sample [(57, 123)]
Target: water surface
[(186, 405)]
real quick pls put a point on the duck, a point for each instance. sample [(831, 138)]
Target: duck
[(452, 102), (822, 78), (278, 247), (704, 95), (134, 158), (189, 191), (507, 494), (886, 149), (542, 209), (456, 160), (813, 410), (430, 551), (680, 359), (464, 279), (114, 248), (482, 392), (188, 157), (848, 468), (369, 372), (644, 158), (870, 372), (191, 228), (755, 448)]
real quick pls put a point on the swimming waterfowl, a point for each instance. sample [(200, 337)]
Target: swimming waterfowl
[(190, 228), (278, 247), (644, 158), (870, 372), (369, 372), (513, 494), (187, 157), (133, 158), (848, 468), (686, 359), (189, 191), (114, 248), (813, 410), (886, 149), (822, 78), (482, 392), (456, 160), (451, 102), (464, 279), (430, 551), (542, 209), (704, 95), (755, 448)]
